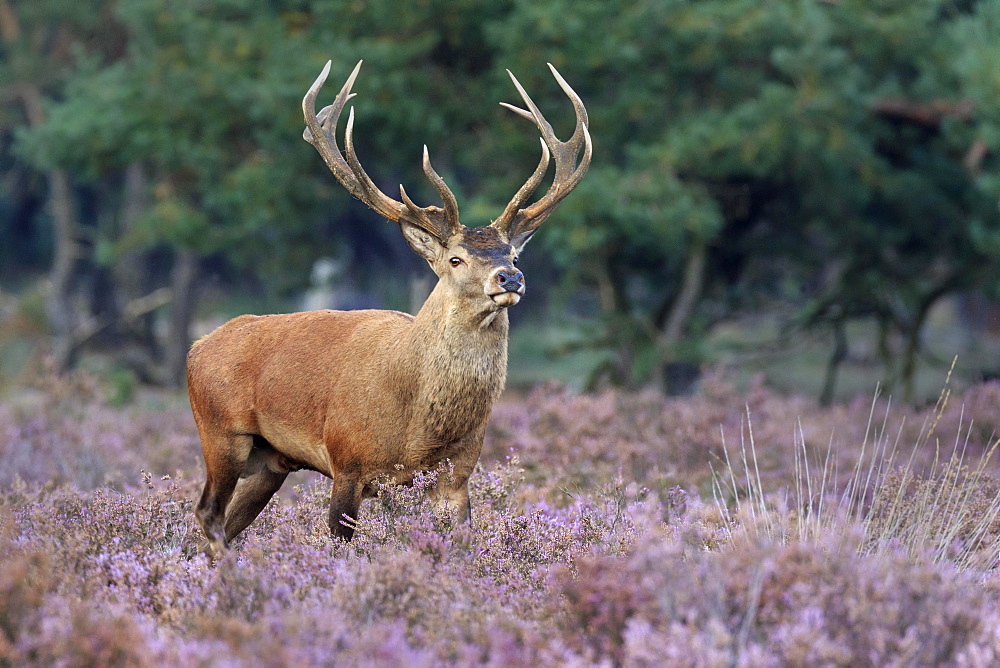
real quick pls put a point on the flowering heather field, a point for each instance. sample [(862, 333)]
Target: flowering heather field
[(733, 527)]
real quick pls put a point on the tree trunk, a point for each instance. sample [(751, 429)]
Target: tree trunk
[(674, 375), (184, 280), (908, 366), (691, 287), (837, 357), (132, 271), (420, 287), (885, 353), (608, 292), (62, 308)]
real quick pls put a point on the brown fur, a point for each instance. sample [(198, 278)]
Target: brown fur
[(351, 394), (360, 394)]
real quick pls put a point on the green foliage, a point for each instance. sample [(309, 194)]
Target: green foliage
[(840, 156)]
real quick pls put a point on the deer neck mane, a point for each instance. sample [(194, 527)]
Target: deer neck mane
[(454, 338), (461, 357)]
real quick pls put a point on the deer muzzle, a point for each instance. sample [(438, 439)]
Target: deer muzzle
[(509, 286)]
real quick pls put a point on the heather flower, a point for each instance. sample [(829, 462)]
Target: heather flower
[(731, 527)]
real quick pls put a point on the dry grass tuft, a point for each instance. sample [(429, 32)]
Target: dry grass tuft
[(727, 528)]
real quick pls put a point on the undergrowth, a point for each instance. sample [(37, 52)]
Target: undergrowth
[(726, 528)]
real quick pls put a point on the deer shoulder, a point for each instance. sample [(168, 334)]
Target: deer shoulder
[(360, 394)]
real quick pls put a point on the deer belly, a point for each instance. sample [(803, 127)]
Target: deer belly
[(297, 445)]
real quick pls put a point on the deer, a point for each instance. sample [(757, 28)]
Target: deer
[(367, 395)]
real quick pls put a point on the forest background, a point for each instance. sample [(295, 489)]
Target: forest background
[(787, 186), (802, 191)]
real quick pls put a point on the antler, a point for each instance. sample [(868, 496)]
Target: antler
[(519, 221), (321, 132)]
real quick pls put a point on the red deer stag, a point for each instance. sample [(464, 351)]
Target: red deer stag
[(360, 394)]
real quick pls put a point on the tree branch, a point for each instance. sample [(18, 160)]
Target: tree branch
[(925, 114)]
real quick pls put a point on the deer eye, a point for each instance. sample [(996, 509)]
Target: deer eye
[(514, 262), (455, 261)]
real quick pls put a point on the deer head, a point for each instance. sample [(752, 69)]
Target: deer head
[(360, 394), (479, 262)]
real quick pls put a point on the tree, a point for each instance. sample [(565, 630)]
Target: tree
[(38, 41), (191, 149), (750, 154), (834, 159)]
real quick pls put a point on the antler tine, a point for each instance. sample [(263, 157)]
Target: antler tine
[(530, 186), (450, 203), (426, 214), (518, 110), (417, 211), (321, 132), (562, 183), (572, 145), (372, 196), (518, 220)]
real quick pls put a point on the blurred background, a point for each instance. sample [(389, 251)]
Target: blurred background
[(803, 189)]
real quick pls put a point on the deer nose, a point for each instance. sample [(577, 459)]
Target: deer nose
[(511, 281)]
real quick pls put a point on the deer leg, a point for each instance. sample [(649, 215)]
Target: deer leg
[(464, 504), (225, 458), (263, 474), (251, 496), (452, 497), (345, 499), (451, 493)]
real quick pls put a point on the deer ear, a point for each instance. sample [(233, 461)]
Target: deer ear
[(519, 241), (423, 243), (519, 235)]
